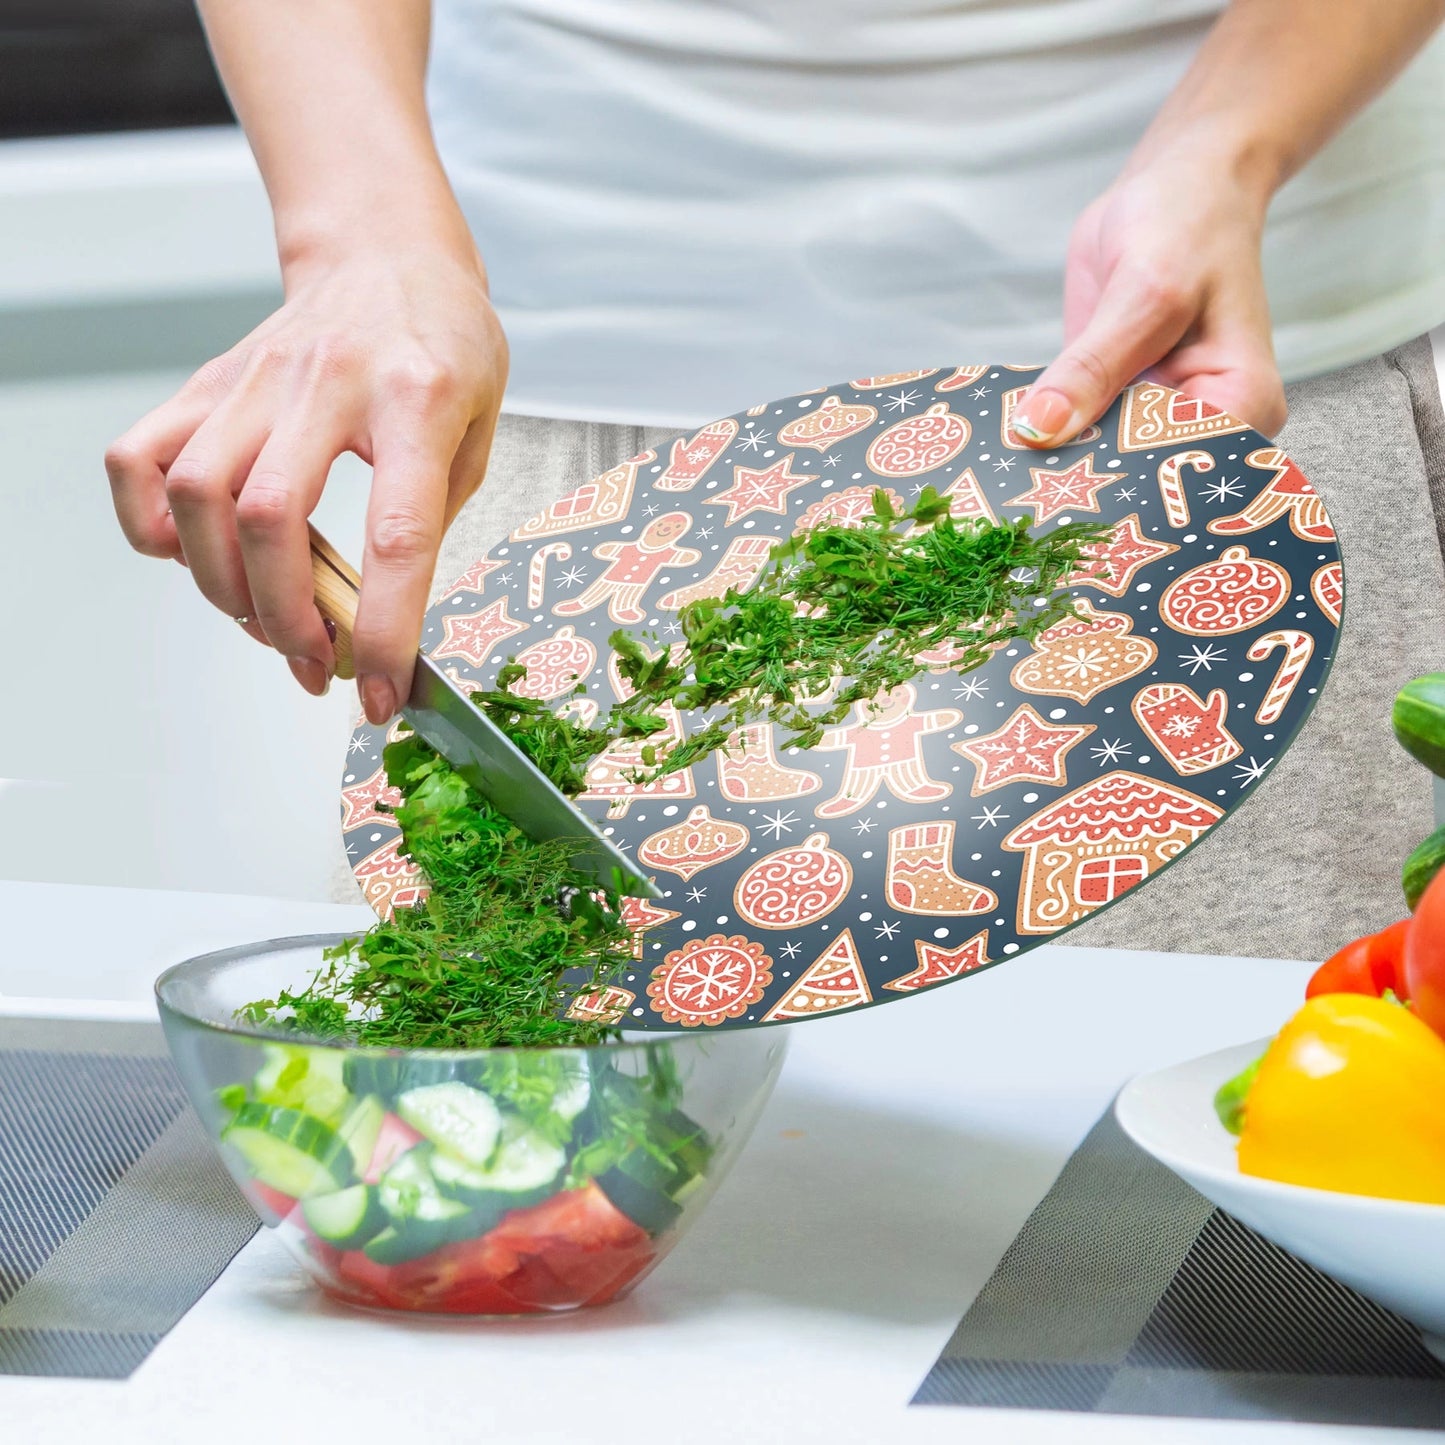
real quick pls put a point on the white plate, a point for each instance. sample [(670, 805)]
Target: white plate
[(1388, 1249)]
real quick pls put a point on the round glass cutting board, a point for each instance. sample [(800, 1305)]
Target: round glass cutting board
[(972, 817)]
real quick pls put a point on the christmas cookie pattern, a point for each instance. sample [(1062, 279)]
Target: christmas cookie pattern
[(1082, 656), (698, 842), (919, 444), (958, 821), (835, 980), (1101, 840), (1188, 729), (794, 887), (830, 422), (1231, 595), (710, 980)]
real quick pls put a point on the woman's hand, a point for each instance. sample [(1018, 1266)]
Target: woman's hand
[(1163, 276), (394, 355)]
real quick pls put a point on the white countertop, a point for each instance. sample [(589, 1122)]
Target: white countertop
[(902, 1151)]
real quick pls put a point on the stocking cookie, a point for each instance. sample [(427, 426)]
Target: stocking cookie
[(744, 559), (920, 876), (748, 770)]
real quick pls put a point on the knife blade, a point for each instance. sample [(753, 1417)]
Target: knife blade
[(477, 749)]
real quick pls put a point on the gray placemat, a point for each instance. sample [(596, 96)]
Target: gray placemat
[(1128, 1293), (116, 1215)]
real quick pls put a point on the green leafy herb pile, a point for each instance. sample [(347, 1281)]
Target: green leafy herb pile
[(841, 615)]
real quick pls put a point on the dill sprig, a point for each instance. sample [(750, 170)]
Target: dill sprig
[(840, 615)]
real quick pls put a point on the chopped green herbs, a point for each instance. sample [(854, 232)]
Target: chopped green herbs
[(841, 615)]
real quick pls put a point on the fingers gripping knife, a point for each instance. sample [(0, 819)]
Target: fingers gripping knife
[(479, 751)]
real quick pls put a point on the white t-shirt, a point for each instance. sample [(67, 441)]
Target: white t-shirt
[(689, 206)]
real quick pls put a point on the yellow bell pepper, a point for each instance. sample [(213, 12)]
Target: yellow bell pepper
[(1350, 1096)]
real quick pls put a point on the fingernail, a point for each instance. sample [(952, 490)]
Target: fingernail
[(1046, 416), (378, 699), (311, 674)]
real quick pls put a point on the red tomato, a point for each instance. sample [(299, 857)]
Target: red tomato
[(1369, 965), (270, 1204), (393, 1140), (1425, 956)]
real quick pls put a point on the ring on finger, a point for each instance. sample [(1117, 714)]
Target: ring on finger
[(243, 620)]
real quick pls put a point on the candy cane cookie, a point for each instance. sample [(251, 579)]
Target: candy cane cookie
[(537, 570), (1171, 483), (1298, 648)]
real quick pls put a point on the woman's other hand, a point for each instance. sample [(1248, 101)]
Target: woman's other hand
[(1163, 277), (396, 356)]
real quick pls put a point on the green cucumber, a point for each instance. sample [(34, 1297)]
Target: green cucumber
[(458, 1119), (347, 1218), (1421, 866), (361, 1128), (391, 1075), (298, 1076), (420, 1218), (645, 1206), (524, 1172), (1419, 720), (290, 1151)]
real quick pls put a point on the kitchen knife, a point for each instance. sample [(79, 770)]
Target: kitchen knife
[(479, 751)]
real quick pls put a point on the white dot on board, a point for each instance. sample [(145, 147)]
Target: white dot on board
[(940, 933), (999, 922), (723, 918), (349, 778), (804, 401), (865, 917), (688, 925), (975, 856), (867, 855), (1144, 587), (1145, 758), (1108, 709), (997, 872), (1031, 797), (1058, 712), (1246, 677), (1269, 737), (1010, 948)]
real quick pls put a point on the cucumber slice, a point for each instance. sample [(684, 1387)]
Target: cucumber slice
[(646, 1207), (392, 1075), (420, 1217), (524, 1171), (458, 1119), (361, 1128), (296, 1076), (347, 1218), (289, 1151), (575, 1091)]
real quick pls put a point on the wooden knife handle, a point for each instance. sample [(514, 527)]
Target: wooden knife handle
[(337, 585)]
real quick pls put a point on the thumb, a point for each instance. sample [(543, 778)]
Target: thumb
[(1137, 321)]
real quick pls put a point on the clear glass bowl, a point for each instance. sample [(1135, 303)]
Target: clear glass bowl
[(475, 1182)]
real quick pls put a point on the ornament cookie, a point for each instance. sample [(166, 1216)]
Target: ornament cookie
[(1327, 587), (794, 887), (1081, 656), (1230, 595), (918, 444), (554, 665), (829, 422), (698, 842)]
